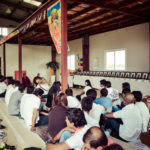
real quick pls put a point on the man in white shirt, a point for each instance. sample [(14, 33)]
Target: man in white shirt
[(144, 112), (76, 124), (11, 90), (72, 101), (86, 105), (131, 126), (96, 110), (3, 86)]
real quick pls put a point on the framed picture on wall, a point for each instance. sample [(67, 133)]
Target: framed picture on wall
[(113, 74), (117, 74), (133, 75), (145, 76), (109, 74), (127, 75), (139, 75), (122, 74)]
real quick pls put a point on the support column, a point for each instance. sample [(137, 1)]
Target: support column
[(53, 53), (64, 72), (4, 59), (20, 57), (85, 52)]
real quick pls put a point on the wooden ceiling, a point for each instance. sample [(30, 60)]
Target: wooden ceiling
[(88, 17)]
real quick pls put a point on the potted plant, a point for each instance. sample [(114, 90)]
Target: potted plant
[(53, 65)]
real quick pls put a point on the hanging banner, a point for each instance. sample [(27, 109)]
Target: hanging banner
[(54, 23)]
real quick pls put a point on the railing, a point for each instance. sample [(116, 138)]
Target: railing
[(117, 74)]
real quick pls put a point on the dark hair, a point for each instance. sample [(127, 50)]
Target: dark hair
[(103, 82), (126, 90), (61, 99), (87, 103), (3, 79), (113, 147), (104, 92), (69, 92), (88, 83), (10, 81), (76, 116), (137, 95), (95, 140), (21, 88), (30, 89), (108, 84), (126, 85), (92, 93), (38, 92), (16, 83), (54, 90)]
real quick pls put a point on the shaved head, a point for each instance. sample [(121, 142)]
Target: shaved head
[(129, 98), (95, 137)]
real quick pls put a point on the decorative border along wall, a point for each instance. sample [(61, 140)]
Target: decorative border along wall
[(117, 74)]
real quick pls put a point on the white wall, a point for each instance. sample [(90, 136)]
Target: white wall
[(135, 39), (34, 59)]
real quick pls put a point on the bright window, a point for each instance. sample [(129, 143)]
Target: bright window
[(115, 60), (71, 62), (3, 31)]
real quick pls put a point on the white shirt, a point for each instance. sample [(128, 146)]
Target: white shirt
[(90, 121), (45, 87), (132, 122), (85, 90), (29, 102), (9, 86), (72, 102), (144, 114), (3, 87), (9, 92), (76, 141), (96, 111)]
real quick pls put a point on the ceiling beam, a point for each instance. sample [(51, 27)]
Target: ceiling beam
[(11, 18), (17, 5), (97, 3)]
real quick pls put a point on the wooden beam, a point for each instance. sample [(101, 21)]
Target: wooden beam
[(53, 53), (64, 72), (20, 57), (97, 3), (4, 59), (10, 18), (85, 52)]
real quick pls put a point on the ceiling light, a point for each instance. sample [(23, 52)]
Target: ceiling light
[(33, 2), (8, 10)]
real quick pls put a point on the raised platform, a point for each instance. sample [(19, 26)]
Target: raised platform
[(17, 133)]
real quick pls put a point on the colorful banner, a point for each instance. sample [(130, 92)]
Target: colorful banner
[(54, 23)]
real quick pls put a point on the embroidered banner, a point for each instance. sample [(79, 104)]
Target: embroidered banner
[(54, 23)]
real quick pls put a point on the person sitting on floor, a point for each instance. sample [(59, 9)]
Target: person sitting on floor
[(86, 105), (104, 100), (57, 115), (36, 78), (72, 101), (76, 124), (11, 90), (97, 110), (26, 81), (3, 86), (53, 91), (126, 85), (95, 139), (83, 93), (112, 93), (102, 83), (125, 123), (143, 110), (15, 100)]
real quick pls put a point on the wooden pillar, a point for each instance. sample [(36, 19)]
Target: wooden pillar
[(64, 73), (20, 57), (53, 53), (85, 52), (4, 59)]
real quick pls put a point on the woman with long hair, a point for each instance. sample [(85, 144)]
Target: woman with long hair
[(54, 90)]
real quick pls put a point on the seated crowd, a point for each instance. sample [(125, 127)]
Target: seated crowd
[(85, 121)]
